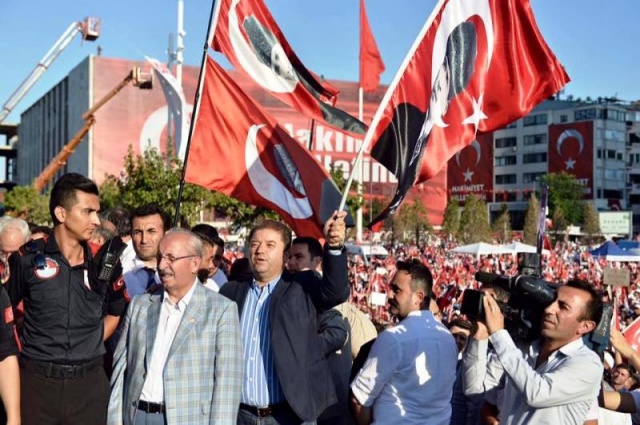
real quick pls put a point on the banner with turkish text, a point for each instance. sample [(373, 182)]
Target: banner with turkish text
[(475, 67), (470, 171), (571, 151)]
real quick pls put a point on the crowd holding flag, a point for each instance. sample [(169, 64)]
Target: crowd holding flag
[(371, 65), (238, 149), (475, 66), (247, 34)]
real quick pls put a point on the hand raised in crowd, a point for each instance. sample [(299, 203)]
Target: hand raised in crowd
[(493, 316), (335, 229), (619, 342)]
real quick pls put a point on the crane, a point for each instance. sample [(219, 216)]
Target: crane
[(90, 30), (137, 78)]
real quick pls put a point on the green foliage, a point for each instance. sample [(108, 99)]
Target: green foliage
[(413, 218), (590, 222), (474, 221), (376, 206), (502, 225), (451, 221), (244, 215), (559, 224), (353, 202), (154, 178), (565, 193), (531, 221), (27, 203)]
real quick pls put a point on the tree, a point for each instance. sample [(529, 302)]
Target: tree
[(531, 221), (414, 218), (502, 225), (451, 222), (353, 202), (154, 178), (474, 221), (565, 193), (590, 221), (559, 224), (27, 203), (376, 206)]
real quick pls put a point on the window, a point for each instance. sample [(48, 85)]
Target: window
[(535, 139), (619, 156), (612, 194), (588, 114), (613, 115), (531, 177), (532, 158), (513, 125), (530, 120), (618, 136), (505, 178), (506, 142), (611, 154), (599, 153), (506, 160), (564, 118)]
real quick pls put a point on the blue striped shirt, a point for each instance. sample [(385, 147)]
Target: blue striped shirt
[(261, 386)]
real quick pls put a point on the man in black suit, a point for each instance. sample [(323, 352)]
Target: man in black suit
[(287, 380)]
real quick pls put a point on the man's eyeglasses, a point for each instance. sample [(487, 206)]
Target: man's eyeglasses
[(170, 259)]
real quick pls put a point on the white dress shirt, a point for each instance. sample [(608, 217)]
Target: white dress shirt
[(170, 317), (409, 374), (136, 279), (559, 391)]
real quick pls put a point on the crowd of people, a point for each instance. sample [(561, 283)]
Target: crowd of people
[(116, 317)]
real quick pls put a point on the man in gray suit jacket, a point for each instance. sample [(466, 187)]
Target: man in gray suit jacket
[(179, 360)]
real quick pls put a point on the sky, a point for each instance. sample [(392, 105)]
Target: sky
[(596, 41)]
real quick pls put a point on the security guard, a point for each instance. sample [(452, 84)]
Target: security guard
[(9, 374), (71, 303)]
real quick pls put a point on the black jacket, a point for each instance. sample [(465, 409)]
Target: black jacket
[(298, 298)]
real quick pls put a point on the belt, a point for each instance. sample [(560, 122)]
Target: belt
[(61, 371), (263, 412), (149, 407)]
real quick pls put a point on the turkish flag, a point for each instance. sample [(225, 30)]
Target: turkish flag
[(632, 334), (249, 37), (475, 67), (238, 149), (371, 65)]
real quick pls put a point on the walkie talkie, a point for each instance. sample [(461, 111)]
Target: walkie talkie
[(110, 258)]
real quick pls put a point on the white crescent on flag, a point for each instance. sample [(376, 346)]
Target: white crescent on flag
[(267, 185), (261, 73)]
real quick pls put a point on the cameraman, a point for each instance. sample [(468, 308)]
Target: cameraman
[(556, 379)]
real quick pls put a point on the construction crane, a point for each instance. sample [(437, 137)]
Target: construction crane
[(137, 78), (90, 30)]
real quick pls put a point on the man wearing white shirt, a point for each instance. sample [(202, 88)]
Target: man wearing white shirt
[(409, 374), (556, 379), (148, 225), (180, 358)]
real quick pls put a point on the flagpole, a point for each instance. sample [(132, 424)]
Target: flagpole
[(213, 19), (385, 100), (360, 171)]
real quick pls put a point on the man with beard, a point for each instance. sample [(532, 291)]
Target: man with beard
[(411, 368)]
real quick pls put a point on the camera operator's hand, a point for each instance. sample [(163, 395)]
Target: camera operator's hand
[(493, 316)]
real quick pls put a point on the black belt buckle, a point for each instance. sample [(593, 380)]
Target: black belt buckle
[(264, 412), (149, 407)]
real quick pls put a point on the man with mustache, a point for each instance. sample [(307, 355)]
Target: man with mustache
[(179, 359), (555, 379), (411, 368)]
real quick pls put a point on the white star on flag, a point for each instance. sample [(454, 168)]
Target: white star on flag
[(467, 175), (477, 114), (570, 163)]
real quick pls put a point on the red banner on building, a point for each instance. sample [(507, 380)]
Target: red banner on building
[(470, 171), (571, 151)]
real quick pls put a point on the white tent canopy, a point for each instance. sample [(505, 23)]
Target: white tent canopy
[(482, 248)]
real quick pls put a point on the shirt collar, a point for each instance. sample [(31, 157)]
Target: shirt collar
[(184, 301), (51, 246), (271, 285), (567, 350)]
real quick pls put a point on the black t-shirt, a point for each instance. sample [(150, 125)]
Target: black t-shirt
[(8, 342), (64, 306)]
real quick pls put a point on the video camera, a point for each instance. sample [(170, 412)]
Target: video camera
[(529, 297)]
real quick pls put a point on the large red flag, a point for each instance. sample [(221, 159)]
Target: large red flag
[(476, 66), (247, 34), (238, 149), (371, 65)]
